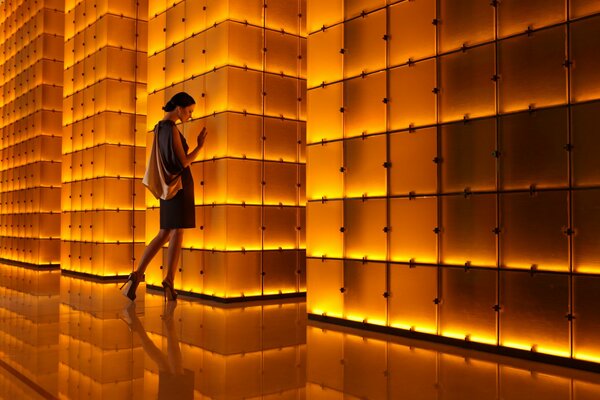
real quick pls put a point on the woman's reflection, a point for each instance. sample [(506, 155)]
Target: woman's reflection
[(174, 382)]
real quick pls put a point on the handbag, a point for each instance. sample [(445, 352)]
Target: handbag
[(157, 179)]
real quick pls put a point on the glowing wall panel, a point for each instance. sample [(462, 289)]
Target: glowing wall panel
[(30, 130), (450, 149), (244, 62), (103, 147)]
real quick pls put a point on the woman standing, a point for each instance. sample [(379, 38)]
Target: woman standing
[(177, 213)]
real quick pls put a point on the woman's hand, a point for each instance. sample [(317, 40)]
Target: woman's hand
[(194, 154), (202, 137)]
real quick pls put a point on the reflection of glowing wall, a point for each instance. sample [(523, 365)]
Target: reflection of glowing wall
[(343, 365), (424, 138), (31, 36), (29, 302), (103, 141), (98, 356), (235, 353), (243, 61)]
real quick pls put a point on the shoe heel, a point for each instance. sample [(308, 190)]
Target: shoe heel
[(126, 287), (169, 292), (129, 287)]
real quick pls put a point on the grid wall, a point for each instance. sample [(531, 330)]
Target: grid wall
[(103, 146), (452, 181), (31, 63), (244, 63)]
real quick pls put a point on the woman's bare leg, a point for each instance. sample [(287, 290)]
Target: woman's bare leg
[(153, 247), (173, 253)]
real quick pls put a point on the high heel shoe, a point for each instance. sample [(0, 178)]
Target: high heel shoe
[(130, 286), (170, 293)]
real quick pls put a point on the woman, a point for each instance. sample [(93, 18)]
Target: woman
[(177, 213)]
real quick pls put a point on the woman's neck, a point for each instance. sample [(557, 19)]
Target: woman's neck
[(171, 116)]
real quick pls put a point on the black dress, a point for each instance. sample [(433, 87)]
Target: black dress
[(177, 212)]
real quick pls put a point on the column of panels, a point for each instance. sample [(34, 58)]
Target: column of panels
[(103, 146), (31, 105), (451, 184), (244, 64)]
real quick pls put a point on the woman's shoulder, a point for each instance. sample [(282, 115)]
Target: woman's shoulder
[(165, 125)]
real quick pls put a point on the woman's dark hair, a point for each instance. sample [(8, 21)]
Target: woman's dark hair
[(181, 99)]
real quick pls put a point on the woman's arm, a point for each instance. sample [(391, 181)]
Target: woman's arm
[(185, 159)]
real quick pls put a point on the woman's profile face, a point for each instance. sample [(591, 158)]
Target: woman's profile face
[(185, 113)]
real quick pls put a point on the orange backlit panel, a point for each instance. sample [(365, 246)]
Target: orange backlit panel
[(103, 149), (244, 62), (31, 75), (452, 148)]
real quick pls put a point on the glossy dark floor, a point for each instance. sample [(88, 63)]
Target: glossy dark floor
[(67, 338)]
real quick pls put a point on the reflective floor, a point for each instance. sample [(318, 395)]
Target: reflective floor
[(67, 338)]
